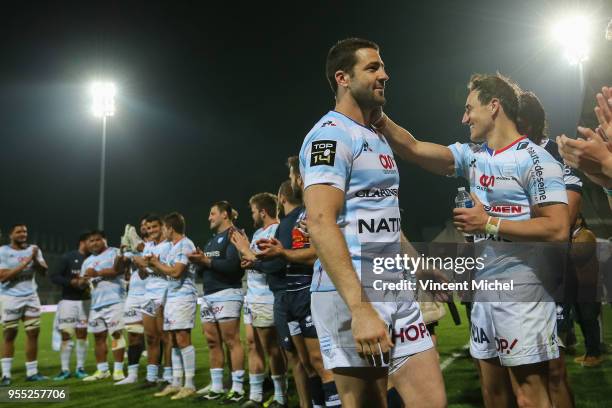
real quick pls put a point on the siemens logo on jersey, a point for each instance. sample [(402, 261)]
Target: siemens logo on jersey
[(504, 209), (378, 192), (374, 226), (538, 173)]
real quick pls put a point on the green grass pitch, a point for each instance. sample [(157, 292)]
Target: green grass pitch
[(592, 386)]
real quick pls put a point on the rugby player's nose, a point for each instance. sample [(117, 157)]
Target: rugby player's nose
[(466, 119)]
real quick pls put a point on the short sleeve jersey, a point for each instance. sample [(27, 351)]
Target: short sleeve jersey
[(258, 290), (106, 291), (346, 155), (184, 286), (509, 182), (23, 284), (156, 284)]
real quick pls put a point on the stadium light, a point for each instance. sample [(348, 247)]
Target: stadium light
[(103, 106), (573, 33)]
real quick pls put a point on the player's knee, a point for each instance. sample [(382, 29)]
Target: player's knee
[(117, 343), (32, 327)]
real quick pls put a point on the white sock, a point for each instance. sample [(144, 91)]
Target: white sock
[(152, 371), (280, 388), (188, 354), (6, 366), (81, 353), (118, 366), (216, 376), (177, 367), (167, 376), (31, 368), (65, 352), (133, 371), (256, 386), (238, 380), (102, 367)]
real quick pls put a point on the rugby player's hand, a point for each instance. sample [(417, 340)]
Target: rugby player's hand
[(199, 257), (91, 273), (377, 118), (589, 154), (34, 256), (471, 220), (371, 335), (141, 262), (269, 248), (241, 242), (246, 264)]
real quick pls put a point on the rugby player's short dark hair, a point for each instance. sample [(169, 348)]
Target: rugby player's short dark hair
[(153, 218), (499, 87), (341, 57), (225, 206), (93, 232), (83, 236), (286, 191), (265, 201), (294, 164), (176, 221), (531, 117), (14, 226)]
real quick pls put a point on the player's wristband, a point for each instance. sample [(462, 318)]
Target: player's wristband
[(608, 191), (492, 229)]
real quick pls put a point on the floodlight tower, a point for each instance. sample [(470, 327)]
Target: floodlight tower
[(573, 33), (103, 106)]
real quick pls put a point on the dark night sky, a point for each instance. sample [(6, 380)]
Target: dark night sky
[(212, 99)]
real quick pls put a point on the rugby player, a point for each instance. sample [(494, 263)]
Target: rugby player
[(526, 177), (275, 268), (300, 257), (132, 313), (73, 309), (341, 156), (180, 306), (19, 262), (103, 270), (156, 286), (532, 123), (258, 307), (222, 303)]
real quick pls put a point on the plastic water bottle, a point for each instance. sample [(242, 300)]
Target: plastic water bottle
[(464, 200)]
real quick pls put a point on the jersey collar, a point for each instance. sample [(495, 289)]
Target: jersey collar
[(498, 151)]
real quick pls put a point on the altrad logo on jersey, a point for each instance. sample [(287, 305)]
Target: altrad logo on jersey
[(323, 153), (378, 192)]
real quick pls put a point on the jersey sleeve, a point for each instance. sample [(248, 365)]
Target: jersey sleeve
[(326, 157), (542, 177), (182, 256), (40, 258), (3, 263), (463, 154), (570, 176)]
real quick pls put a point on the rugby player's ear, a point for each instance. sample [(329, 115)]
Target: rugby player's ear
[(342, 78)]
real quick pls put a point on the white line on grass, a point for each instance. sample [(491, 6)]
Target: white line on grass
[(452, 358)]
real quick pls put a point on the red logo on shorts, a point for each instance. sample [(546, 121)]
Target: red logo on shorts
[(502, 346), (410, 333)]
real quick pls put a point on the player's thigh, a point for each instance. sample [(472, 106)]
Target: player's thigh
[(494, 377), (361, 386), (419, 380), (529, 379), (230, 330), (211, 332)]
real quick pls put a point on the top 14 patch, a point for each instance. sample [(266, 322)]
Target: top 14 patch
[(323, 153)]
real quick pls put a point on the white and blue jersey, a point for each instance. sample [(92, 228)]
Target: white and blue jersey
[(570, 176), (156, 283), (341, 153), (22, 284), (136, 287), (184, 286), (106, 291), (258, 290), (509, 182)]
